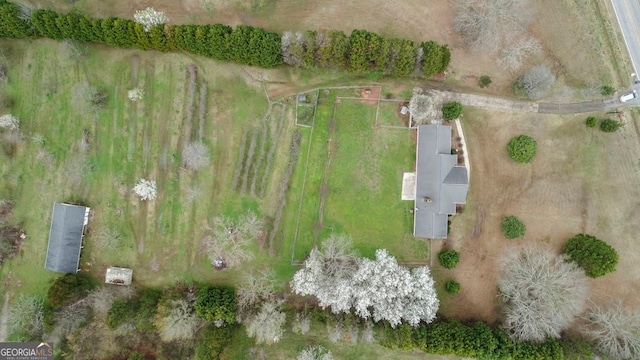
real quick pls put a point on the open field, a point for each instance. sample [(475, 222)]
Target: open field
[(349, 180), (128, 141), (582, 180)]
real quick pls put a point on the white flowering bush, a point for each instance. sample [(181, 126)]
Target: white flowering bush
[(9, 122), (146, 189), (150, 17), (135, 94)]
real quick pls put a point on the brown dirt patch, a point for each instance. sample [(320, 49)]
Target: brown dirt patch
[(370, 95), (558, 195)]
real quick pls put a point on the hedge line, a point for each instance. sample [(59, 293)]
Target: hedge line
[(473, 340), (362, 51)]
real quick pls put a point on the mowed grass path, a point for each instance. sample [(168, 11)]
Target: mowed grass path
[(353, 182), (161, 239)]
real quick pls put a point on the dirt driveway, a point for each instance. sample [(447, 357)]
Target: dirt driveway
[(582, 180)]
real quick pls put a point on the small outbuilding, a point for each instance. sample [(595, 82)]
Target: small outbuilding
[(65, 237), (118, 276)]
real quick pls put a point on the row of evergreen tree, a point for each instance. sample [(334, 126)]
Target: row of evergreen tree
[(361, 52)]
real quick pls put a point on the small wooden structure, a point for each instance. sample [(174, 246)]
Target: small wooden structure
[(118, 276)]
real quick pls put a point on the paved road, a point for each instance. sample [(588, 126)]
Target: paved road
[(628, 15)]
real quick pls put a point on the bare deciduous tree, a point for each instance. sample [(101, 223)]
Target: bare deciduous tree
[(101, 299), (368, 335), (535, 83), (542, 293), (180, 322), (301, 324), (227, 242), (149, 17), (195, 155), (74, 50), (489, 24), (614, 331), (315, 352), (255, 287), (422, 109), (513, 55), (267, 325), (69, 319), (26, 315)]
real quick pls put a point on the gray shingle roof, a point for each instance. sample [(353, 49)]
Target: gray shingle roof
[(65, 237), (440, 183)]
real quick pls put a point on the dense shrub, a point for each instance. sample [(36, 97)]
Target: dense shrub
[(213, 342), (512, 227), (591, 121), (472, 340), (595, 256), (148, 304), (217, 304), (607, 90), (452, 287), (68, 289), (121, 312), (448, 258), (484, 81), (609, 125), (136, 356), (522, 148), (451, 110), (11, 25)]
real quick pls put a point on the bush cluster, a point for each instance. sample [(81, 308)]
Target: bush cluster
[(217, 303), (451, 110), (215, 339), (512, 227), (452, 287), (68, 289), (361, 52), (449, 258), (591, 121), (609, 125), (470, 340), (595, 256), (522, 148)]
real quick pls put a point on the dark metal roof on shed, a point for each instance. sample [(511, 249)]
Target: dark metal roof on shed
[(440, 183), (65, 237)]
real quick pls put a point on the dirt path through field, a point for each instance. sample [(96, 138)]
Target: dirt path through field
[(4, 319)]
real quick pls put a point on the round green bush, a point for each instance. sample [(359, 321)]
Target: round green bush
[(512, 227), (522, 148), (595, 256), (451, 110), (452, 287), (449, 258), (607, 90), (216, 303), (484, 81), (591, 121), (609, 125), (136, 356)]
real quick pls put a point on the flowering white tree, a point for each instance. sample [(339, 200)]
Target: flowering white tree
[(267, 325), (9, 122), (195, 155), (387, 291), (542, 293), (150, 17), (135, 94), (146, 189), (379, 289), (327, 274)]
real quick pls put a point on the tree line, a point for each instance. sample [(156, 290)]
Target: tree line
[(361, 52)]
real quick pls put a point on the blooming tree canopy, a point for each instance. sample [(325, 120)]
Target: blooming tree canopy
[(146, 189), (150, 17)]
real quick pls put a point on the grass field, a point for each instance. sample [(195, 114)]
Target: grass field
[(128, 141), (350, 181)]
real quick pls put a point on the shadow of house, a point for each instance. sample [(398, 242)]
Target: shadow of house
[(65, 237), (440, 184)]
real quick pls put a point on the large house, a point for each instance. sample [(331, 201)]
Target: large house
[(440, 184), (65, 237)]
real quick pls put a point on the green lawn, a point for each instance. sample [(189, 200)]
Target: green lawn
[(358, 170)]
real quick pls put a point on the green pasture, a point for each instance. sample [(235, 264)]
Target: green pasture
[(353, 171)]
